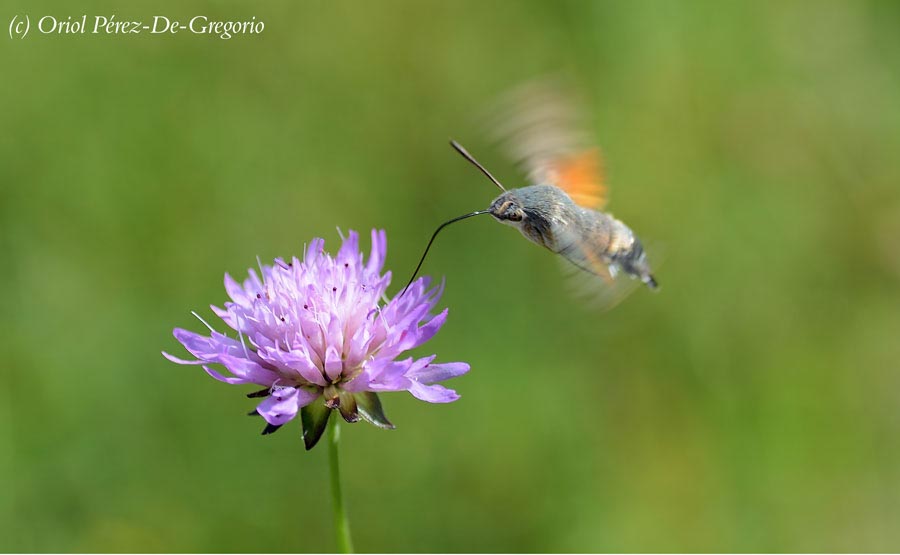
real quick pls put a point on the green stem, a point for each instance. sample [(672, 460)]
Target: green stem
[(341, 524)]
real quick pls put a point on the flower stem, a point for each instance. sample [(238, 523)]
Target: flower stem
[(341, 524)]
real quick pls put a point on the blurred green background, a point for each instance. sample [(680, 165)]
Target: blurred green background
[(752, 405)]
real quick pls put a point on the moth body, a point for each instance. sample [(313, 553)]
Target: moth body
[(591, 240)]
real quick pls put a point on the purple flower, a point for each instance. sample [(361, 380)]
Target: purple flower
[(317, 337)]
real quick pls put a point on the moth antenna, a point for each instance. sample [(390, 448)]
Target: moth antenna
[(465, 154), (438, 230)]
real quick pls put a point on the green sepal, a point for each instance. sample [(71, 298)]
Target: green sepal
[(348, 407), (369, 407), (314, 418)]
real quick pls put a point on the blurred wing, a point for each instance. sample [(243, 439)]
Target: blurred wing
[(542, 127), (588, 276)]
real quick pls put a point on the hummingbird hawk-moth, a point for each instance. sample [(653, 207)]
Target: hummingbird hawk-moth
[(563, 207)]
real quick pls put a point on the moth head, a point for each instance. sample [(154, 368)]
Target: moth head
[(507, 208)]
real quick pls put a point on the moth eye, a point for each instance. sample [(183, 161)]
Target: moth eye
[(516, 216)]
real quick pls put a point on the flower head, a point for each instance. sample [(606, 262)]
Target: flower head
[(316, 336)]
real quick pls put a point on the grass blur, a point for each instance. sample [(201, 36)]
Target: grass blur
[(752, 405)]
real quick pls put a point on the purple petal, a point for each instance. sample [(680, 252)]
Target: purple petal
[(283, 403), (296, 360), (280, 407), (198, 345), (220, 312), (333, 363), (313, 251), (227, 314), (379, 251), (181, 360), (392, 376), (335, 331), (248, 370), (358, 383), (359, 345), (433, 393), (362, 380), (252, 285), (381, 375), (419, 335), (236, 291), (397, 383), (432, 373), (209, 348), (221, 378), (380, 285), (306, 396), (349, 252), (427, 331), (411, 319)]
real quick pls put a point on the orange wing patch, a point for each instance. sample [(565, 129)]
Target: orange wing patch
[(581, 177)]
